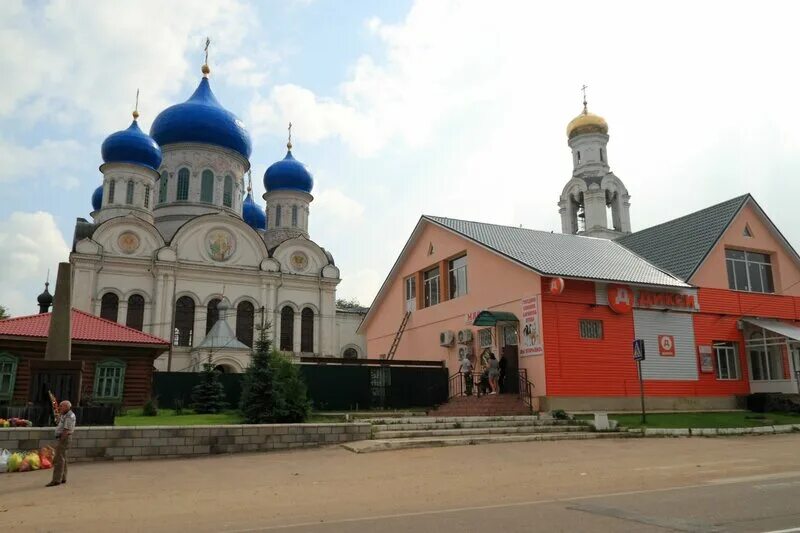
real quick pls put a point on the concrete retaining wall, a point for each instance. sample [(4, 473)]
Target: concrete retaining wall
[(621, 404), (151, 442)]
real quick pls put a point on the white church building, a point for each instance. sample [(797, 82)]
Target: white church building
[(179, 248)]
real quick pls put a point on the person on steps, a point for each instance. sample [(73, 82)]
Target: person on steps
[(466, 368), (494, 373)]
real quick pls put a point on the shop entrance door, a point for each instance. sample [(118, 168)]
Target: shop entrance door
[(510, 384)]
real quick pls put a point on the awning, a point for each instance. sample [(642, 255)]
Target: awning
[(490, 318), (776, 326)]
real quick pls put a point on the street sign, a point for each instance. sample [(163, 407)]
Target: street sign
[(638, 350)]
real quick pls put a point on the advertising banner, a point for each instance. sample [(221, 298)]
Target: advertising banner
[(532, 341)]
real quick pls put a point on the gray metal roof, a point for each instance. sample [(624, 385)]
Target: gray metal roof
[(680, 245), (558, 254)]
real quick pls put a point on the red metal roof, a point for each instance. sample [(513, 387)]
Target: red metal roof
[(85, 327)]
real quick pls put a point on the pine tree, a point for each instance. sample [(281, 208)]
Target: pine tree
[(208, 396), (290, 400), (257, 385)]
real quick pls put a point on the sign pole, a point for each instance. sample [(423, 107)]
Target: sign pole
[(641, 390)]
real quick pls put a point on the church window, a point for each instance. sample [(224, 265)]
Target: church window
[(135, 317), (294, 216), (245, 314), (183, 184), (109, 379), (112, 185), (287, 329), (129, 193), (212, 314), (147, 196), (350, 353), (8, 374), (207, 187), (602, 158), (307, 330), (579, 157), (227, 192), (184, 321), (278, 217), (162, 188), (109, 306)]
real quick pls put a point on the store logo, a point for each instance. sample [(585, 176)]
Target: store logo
[(620, 298), (666, 345)]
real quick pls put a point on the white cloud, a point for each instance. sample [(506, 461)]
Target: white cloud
[(59, 161), (360, 284), (32, 244), (333, 203)]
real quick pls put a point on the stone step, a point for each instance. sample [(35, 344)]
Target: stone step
[(448, 419), (467, 423), (501, 430), (367, 446)]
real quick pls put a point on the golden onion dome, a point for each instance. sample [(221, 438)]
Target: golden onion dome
[(586, 123)]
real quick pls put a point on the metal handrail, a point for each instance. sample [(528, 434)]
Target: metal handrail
[(526, 388)]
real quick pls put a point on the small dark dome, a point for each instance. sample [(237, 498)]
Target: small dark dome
[(45, 298), (252, 214), (97, 199)]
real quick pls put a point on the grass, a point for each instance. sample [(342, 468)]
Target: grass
[(706, 420), (167, 417)]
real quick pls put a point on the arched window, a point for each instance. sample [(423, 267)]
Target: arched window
[(287, 329), (162, 187), (245, 315), (147, 196), (307, 330), (207, 187), (212, 314), (109, 306), (112, 185), (350, 353), (294, 216), (129, 193), (278, 217), (184, 322), (183, 184), (135, 318), (227, 192)]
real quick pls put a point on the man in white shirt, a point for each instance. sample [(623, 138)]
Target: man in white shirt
[(64, 429), (466, 368)]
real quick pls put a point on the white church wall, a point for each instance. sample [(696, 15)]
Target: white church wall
[(347, 323)]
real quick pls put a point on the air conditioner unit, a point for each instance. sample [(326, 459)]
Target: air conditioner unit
[(446, 338), (465, 336), (464, 352)]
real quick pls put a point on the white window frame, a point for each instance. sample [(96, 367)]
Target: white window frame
[(729, 352), (458, 277), (430, 286), (748, 261), (410, 288), (766, 352), (485, 337)]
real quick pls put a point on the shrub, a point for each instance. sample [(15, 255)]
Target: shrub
[(209, 395), (560, 414), (151, 407), (178, 406)]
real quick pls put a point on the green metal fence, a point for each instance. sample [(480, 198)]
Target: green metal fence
[(330, 387)]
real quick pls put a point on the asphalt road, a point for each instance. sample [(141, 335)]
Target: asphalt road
[(642, 485)]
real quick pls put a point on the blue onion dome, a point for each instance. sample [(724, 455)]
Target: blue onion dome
[(201, 119), (288, 174), (97, 199), (131, 146), (252, 214)]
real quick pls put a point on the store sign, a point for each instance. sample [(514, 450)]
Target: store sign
[(470, 317), (532, 341), (622, 298), (705, 354), (556, 286), (666, 345), (638, 350)]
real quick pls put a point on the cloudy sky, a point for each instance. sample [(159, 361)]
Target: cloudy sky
[(402, 107)]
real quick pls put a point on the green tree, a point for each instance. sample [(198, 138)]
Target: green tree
[(208, 396), (348, 303), (4, 312), (290, 396), (257, 386)]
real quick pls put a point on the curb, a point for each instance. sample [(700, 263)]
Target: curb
[(714, 432)]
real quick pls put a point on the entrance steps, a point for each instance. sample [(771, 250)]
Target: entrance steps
[(429, 432), (488, 405)]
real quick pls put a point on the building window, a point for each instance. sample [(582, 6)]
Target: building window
[(112, 186), (350, 353), (287, 329), (458, 277), (591, 329), (184, 322), (485, 337), (294, 216), (766, 361), (109, 379), (245, 320), (307, 330), (129, 193), (727, 360), (278, 217), (749, 271), (579, 157), (411, 293), (227, 192), (207, 187), (147, 196), (135, 317), (509, 336), (162, 187), (8, 375), (431, 286), (183, 184), (212, 314), (109, 306)]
